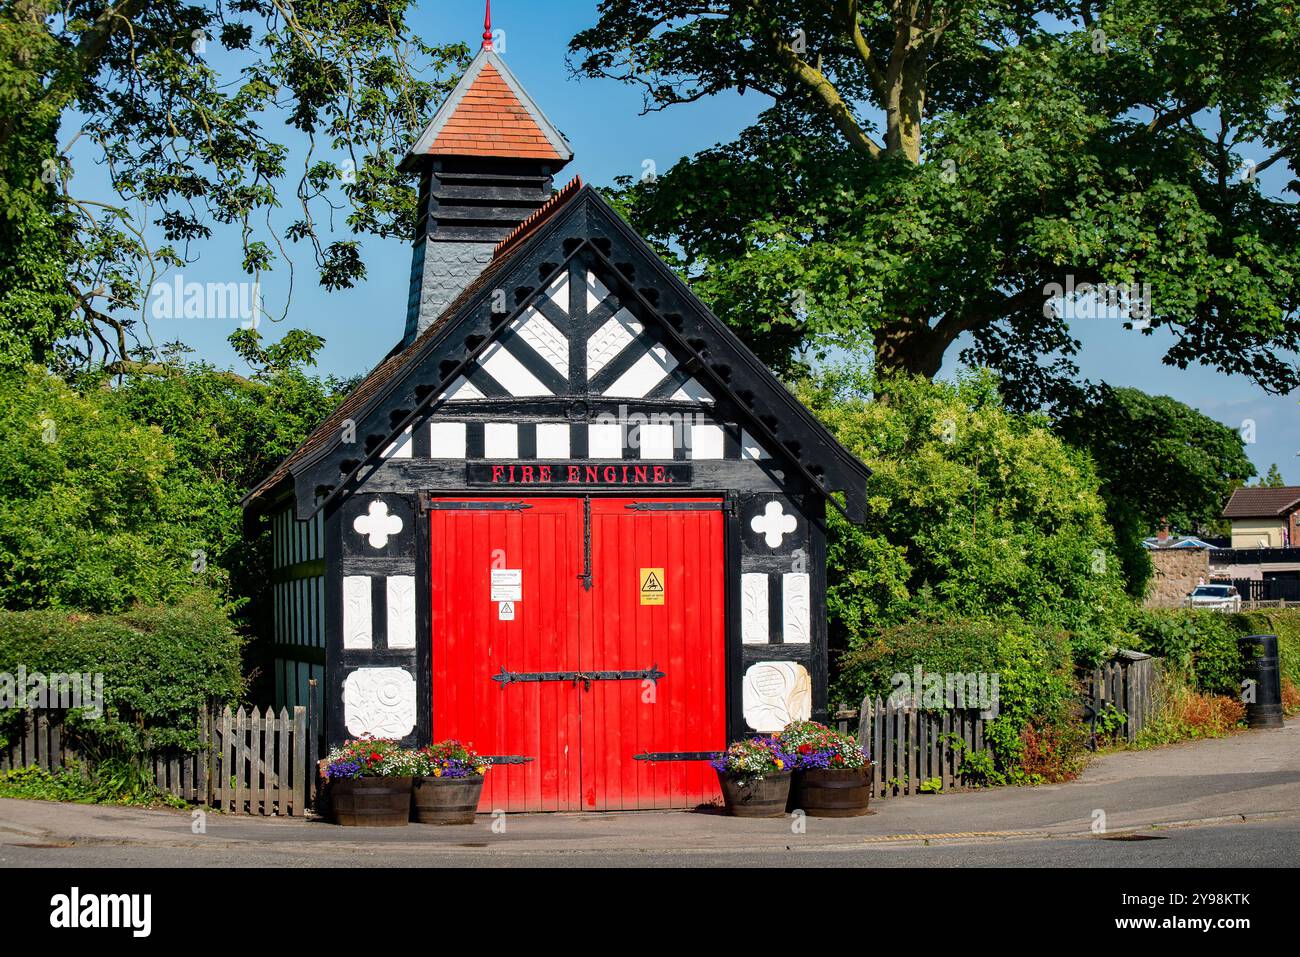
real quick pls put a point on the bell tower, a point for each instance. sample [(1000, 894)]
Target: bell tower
[(486, 162)]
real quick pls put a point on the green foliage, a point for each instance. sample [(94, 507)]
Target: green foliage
[(1037, 695), (94, 513), (973, 512), (188, 106), (161, 667), (112, 782), (112, 496), (1202, 645), (931, 786), (926, 172), (1159, 460)]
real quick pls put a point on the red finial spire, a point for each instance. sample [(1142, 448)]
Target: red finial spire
[(487, 27)]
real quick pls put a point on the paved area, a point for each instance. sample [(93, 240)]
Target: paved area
[(1234, 801)]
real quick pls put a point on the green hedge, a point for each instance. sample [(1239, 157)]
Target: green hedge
[(1203, 644), (160, 667), (1283, 622)]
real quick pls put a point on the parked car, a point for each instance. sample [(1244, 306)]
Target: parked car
[(1216, 597)]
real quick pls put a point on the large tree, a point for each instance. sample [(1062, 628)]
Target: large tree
[(930, 169), (197, 111)]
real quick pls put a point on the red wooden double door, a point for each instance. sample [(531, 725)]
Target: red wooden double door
[(581, 643)]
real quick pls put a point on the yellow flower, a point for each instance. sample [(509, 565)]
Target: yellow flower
[(779, 764), (437, 772), (483, 770)]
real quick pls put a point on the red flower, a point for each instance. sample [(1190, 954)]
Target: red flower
[(805, 748), (375, 756)]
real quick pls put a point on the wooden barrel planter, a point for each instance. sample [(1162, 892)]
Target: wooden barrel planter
[(833, 793), (765, 798), (371, 802), (447, 800)]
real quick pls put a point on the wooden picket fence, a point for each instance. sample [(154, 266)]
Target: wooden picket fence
[(1131, 684), (251, 762), (911, 746)]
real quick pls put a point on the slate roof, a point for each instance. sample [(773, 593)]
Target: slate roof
[(1262, 502)]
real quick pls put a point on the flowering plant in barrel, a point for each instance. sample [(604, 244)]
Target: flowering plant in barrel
[(833, 775), (448, 783), (370, 783), (368, 758), (814, 745), (755, 777), (449, 759)]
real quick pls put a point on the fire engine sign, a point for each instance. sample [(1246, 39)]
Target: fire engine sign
[(652, 586)]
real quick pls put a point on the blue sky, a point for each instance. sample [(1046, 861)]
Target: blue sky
[(601, 120)]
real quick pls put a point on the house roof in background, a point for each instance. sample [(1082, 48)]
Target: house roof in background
[(1262, 502), (1176, 541)]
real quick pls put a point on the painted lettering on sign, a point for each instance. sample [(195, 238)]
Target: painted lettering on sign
[(578, 473)]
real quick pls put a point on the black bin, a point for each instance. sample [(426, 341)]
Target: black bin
[(1259, 654)]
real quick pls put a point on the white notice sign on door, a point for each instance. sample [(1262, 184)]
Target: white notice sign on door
[(507, 584), (506, 611)]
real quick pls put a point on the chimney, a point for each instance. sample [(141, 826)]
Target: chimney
[(1162, 536), (486, 162)]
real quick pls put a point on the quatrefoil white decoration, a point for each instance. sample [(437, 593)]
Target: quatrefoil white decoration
[(773, 524), (377, 525)]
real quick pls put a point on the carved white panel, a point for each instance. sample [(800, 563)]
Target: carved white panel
[(401, 611), (774, 694), (692, 391), (796, 591), (501, 440), (357, 623), (558, 291), (611, 339), (552, 440), (379, 702), (753, 608), (447, 440), (656, 441), (547, 341)]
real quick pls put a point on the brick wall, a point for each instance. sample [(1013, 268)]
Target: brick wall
[(1177, 571)]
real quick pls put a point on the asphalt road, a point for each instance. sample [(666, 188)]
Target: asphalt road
[(1273, 843)]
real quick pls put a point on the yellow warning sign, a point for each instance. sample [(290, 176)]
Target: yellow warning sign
[(652, 586)]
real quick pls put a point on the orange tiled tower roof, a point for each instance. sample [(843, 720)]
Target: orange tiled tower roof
[(490, 120), (489, 114)]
